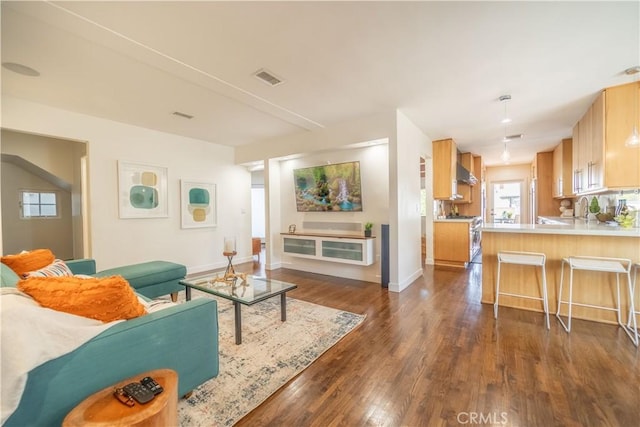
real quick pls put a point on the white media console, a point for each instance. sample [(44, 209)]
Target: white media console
[(348, 249)]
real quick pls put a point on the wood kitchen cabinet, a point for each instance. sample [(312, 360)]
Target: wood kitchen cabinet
[(542, 168), (451, 242), (600, 159), (562, 169), (445, 185), (588, 143), (466, 190), (474, 206), (622, 164), (456, 241)]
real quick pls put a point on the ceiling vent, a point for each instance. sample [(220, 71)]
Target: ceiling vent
[(183, 115), (512, 137), (268, 77)]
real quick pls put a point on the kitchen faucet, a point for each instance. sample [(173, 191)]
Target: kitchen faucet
[(584, 210)]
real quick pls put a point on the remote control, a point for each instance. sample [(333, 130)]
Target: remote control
[(139, 392), (152, 385), (123, 397)]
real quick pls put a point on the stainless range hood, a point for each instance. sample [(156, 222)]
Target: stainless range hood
[(464, 176)]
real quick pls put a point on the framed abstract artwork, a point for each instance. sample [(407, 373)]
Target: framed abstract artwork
[(142, 190), (197, 204)]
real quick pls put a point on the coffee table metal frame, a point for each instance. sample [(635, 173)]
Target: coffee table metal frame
[(233, 291)]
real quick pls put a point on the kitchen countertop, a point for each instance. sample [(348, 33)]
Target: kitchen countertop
[(578, 227), (467, 220)]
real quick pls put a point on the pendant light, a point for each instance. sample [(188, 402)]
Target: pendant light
[(505, 156), (505, 118), (633, 140)]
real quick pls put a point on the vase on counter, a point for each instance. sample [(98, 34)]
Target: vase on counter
[(622, 204)]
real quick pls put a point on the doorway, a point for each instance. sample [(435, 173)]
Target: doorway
[(258, 216), (44, 165), (506, 203)]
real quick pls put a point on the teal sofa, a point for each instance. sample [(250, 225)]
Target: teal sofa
[(183, 338), (150, 279)]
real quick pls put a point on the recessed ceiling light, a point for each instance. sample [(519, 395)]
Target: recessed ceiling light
[(21, 69)]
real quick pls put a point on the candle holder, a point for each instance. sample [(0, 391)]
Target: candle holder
[(229, 251), (229, 245)]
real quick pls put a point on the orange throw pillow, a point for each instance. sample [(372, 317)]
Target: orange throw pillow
[(25, 262), (104, 298)]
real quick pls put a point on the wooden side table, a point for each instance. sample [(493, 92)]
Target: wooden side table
[(102, 409), (256, 246)]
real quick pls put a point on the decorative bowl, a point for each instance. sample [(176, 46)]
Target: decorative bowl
[(604, 217)]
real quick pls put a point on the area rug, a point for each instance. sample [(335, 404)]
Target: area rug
[(272, 353)]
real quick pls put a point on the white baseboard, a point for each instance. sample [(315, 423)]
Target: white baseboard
[(399, 287)]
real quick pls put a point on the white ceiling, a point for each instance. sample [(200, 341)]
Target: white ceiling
[(443, 64)]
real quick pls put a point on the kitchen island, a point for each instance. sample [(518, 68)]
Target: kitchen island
[(574, 238)]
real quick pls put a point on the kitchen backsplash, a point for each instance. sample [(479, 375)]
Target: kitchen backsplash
[(608, 200)]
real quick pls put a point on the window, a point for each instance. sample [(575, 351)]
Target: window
[(38, 204), (506, 202)]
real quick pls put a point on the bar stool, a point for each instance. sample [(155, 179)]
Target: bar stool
[(632, 311), (523, 258), (604, 264)]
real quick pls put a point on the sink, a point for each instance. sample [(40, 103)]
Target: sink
[(558, 220)]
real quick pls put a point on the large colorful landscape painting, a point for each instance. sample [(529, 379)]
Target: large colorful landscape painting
[(330, 188)]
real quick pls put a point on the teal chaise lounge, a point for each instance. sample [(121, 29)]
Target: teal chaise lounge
[(183, 337)]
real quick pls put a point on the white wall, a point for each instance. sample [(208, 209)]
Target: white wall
[(374, 175), (409, 146), (327, 141), (118, 241), (56, 156), (334, 137), (258, 212), (403, 186), (273, 242)]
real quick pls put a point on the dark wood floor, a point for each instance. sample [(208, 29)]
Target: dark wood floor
[(432, 355)]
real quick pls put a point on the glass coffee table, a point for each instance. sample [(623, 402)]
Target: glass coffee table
[(247, 291)]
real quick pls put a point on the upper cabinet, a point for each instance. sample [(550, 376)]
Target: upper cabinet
[(588, 149), (466, 190), (445, 185), (622, 164), (471, 202), (600, 159), (562, 169)]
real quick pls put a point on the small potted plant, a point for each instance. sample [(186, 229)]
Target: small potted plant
[(367, 229), (594, 208)]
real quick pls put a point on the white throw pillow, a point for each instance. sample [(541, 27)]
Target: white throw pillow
[(56, 269)]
